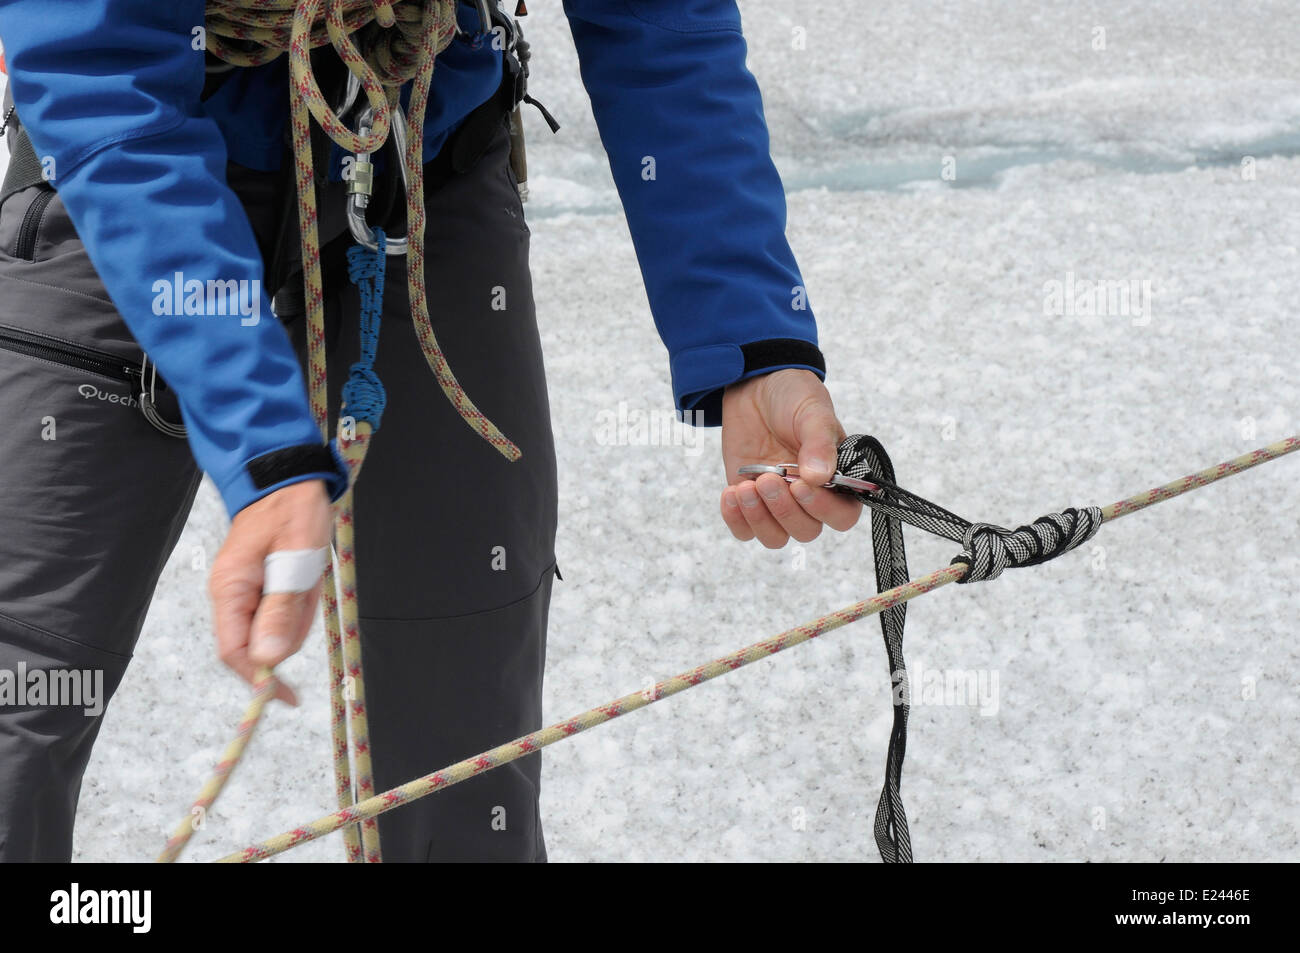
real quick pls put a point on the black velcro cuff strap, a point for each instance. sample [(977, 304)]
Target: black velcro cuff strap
[(703, 408), (781, 352), (290, 462)]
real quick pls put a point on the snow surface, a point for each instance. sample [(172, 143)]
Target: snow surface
[(1126, 727)]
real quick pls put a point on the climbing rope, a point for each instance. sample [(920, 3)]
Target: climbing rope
[(359, 418), (263, 691), (893, 842), (401, 41), (385, 44)]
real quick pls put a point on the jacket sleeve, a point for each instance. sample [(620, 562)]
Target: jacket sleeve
[(681, 119), (109, 90)]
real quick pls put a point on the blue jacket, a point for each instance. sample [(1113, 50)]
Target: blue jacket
[(110, 90)]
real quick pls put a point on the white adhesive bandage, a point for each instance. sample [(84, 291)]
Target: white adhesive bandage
[(294, 570)]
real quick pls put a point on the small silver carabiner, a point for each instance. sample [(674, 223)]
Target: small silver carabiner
[(790, 472), (148, 407)]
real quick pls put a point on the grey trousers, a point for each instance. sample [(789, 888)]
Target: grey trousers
[(455, 546)]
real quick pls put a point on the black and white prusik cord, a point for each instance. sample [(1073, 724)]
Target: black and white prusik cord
[(987, 550)]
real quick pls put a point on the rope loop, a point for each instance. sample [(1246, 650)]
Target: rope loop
[(864, 457), (857, 457)]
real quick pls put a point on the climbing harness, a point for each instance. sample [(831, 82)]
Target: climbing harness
[(987, 550)]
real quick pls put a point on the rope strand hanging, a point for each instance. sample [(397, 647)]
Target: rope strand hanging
[(384, 44)]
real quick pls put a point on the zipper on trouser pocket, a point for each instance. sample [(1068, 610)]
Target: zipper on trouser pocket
[(89, 359), (25, 244)]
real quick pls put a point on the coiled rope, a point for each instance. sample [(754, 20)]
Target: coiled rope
[(385, 44), (894, 823)]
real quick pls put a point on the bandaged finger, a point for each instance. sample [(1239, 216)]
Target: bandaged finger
[(294, 570)]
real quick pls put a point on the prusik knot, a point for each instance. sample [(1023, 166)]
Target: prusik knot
[(988, 549), (364, 397), (991, 549)]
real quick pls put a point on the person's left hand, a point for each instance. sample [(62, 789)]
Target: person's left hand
[(782, 417)]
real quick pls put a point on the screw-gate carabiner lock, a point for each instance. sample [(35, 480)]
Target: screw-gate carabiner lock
[(362, 182), (790, 472)]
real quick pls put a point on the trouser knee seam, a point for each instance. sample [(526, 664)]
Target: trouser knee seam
[(31, 627), (541, 581)]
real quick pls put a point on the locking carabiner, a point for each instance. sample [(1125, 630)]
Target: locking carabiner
[(362, 182)]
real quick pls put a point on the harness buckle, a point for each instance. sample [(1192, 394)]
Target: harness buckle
[(790, 472)]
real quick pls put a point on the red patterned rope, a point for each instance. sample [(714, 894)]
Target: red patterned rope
[(1194, 481), (535, 741), (263, 691)]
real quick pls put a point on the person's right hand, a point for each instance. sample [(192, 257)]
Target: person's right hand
[(253, 630)]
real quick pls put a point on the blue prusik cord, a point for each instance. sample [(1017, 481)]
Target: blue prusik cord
[(363, 394)]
